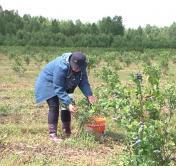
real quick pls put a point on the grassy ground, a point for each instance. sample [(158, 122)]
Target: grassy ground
[(24, 134), (24, 131)]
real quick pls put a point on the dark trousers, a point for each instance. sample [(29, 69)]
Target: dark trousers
[(53, 114)]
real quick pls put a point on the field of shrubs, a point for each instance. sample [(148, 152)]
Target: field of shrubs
[(135, 91)]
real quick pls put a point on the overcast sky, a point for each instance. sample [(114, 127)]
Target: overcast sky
[(134, 12)]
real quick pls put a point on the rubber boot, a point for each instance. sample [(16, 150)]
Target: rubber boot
[(53, 132), (66, 129), (66, 122)]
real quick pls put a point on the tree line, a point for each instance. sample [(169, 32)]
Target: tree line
[(107, 32)]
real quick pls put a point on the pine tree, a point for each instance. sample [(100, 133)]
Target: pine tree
[(1, 10)]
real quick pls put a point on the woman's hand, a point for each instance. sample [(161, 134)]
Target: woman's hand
[(72, 108), (91, 99)]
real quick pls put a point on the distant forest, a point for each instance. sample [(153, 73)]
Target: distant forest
[(107, 32)]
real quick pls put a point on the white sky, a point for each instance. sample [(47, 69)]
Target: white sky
[(134, 12)]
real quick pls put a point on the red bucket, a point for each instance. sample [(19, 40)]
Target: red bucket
[(97, 125)]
